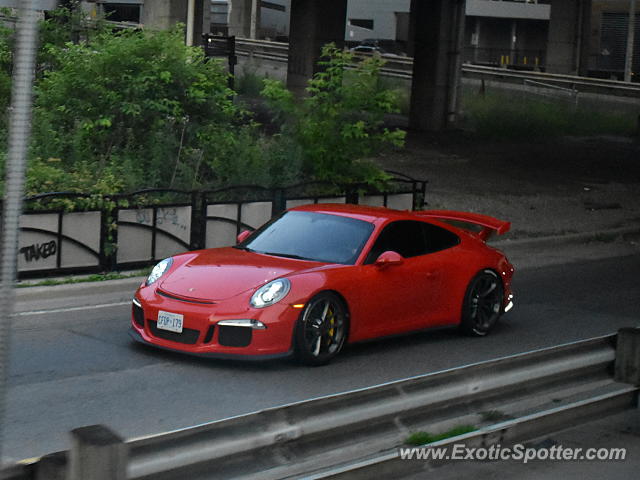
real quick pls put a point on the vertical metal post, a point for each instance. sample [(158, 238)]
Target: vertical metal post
[(191, 15), (455, 63), (255, 15), (19, 131), (627, 366), (631, 33), (514, 41), (475, 40)]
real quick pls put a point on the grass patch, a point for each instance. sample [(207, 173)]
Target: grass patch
[(422, 438), (493, 416), (498, 115), (249, 84), (98, 277)]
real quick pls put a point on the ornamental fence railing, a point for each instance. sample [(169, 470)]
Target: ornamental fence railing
[(71, 233)]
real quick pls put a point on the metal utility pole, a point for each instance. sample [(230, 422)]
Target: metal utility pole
[(631, 33), (19, 131), (191, 16), (255, 14)]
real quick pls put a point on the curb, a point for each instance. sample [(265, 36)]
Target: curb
[(123, 285), (584, 237)]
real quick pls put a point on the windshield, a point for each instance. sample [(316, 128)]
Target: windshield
[(311, 236)]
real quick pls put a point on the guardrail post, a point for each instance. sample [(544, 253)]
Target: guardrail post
[(627, 367), (97, 453)]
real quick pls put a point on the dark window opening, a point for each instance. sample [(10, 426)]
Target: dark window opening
[(361, 22), (122, 12), (411, 239), (438, 238), (274, 6)]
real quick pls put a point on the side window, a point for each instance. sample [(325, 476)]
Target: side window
[(404, 237), (438, 238)]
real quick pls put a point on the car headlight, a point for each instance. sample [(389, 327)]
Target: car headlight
[(159, 270), (270, 293)]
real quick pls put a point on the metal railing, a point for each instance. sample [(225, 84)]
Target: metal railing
[(134, 230), (402, 67), (337, 435)]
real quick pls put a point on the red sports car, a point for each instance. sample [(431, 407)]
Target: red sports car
[(319, 276)]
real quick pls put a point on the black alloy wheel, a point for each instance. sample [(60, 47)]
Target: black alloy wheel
[(321, 330), (482, 305)]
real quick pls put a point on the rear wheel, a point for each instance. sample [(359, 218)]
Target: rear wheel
[(482, 305), (321, 330)]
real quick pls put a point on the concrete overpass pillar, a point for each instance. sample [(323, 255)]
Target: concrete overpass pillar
[(569, 34), (244, 18), (164, 14), (437, 28), (313, 24)]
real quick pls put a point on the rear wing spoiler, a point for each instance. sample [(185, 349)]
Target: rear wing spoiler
[(489, 225)]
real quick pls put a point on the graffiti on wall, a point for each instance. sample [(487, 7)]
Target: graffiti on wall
[(39, 251)]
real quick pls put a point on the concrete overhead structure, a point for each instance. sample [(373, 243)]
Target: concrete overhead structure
[(154, 14), (313, 24), (244, 18), (437, 30), (569, 35)]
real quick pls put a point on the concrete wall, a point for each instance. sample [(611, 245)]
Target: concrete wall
[(382, 12), (569, 33), (491, 8), (163, 14), (275, 23)]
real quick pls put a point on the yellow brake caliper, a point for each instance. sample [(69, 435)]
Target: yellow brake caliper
[(332, 322)]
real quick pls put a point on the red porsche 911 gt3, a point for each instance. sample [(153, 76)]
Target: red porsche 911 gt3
[(319, 276)]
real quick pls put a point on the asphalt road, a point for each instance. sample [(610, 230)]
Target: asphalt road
[(78, 367)]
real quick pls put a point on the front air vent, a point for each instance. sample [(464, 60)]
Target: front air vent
[(138, 315), (188, 335), (234, 336), (209, 336), (172, 296)]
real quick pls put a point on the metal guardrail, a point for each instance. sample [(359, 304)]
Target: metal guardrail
[(402, 67), (339, 435)]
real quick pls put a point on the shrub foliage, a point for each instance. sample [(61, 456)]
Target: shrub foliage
[(122, 110)]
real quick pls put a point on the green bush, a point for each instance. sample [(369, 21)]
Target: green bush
[(138, 106), (121, 111), (338, 124)]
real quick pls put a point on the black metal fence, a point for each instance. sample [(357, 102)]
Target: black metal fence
[(69, 233)]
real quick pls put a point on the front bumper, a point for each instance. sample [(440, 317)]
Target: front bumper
[(135, 335), (215, 330)]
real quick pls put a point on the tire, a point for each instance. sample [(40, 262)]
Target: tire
[(482, 304), (321, 330)]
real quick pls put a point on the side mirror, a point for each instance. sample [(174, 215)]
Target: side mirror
[(242, 236), (388, 259)]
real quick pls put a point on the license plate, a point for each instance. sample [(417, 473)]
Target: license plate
[(170, 321)]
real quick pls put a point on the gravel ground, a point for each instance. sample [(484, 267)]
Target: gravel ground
[(556, 187)]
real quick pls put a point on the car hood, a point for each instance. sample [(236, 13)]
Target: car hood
[(222, 273)]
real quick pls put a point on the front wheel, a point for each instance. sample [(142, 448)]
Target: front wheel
[(482, 305), (321, 330)]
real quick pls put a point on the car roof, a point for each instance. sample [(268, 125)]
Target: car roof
[(360, 212)]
